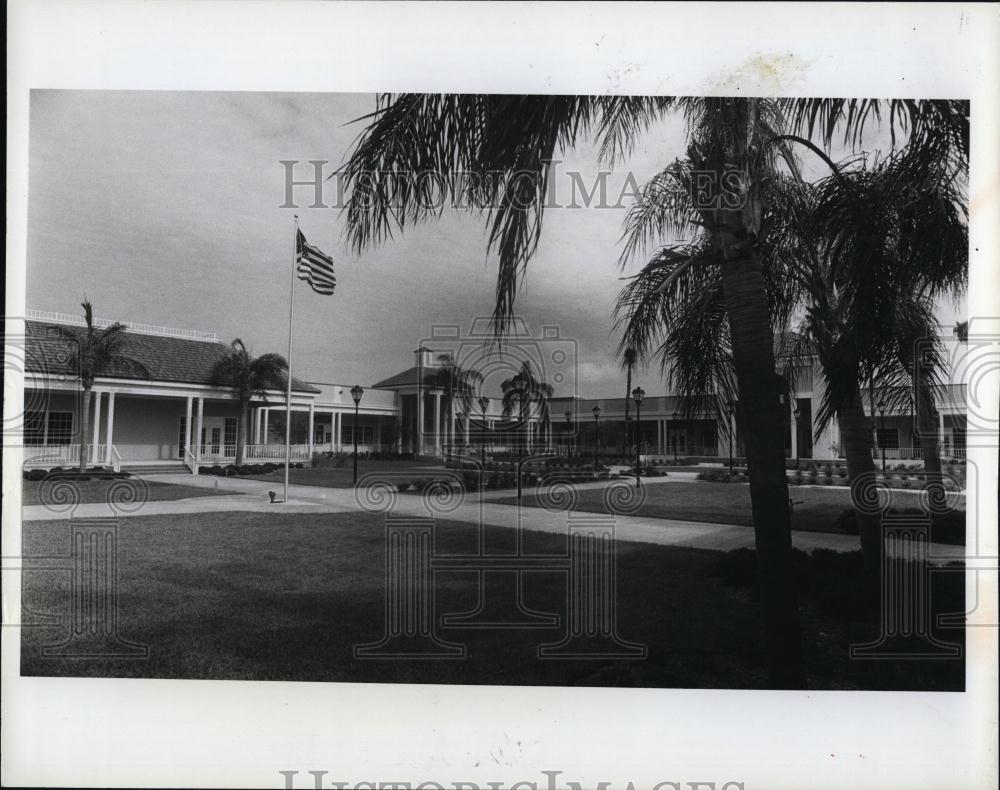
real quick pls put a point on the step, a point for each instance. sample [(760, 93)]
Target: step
[(156, 469)]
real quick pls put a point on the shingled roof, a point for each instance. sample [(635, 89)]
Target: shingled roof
[(167, 359), (408, 378)]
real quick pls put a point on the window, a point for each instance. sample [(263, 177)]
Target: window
[(60, 427), (54, 427), (366, 434), (229, 439), (34, 427), (888, 438)]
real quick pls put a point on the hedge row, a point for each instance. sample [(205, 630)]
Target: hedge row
[(231, 470), (59, 473)]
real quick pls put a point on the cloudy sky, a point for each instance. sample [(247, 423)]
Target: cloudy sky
[(165, 208)]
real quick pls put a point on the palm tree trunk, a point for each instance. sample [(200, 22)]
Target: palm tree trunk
[(84, 428), (761, 417), (856, 442), (240, 428)]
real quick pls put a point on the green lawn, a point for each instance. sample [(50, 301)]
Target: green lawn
[(286, 597), (343, 476), (815, 509), (92, 491)]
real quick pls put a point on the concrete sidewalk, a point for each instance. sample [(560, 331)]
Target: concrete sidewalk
[(252, 496)]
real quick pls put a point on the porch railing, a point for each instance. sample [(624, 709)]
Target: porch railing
[(190, 460), (50, 455), (899, 453), (275, 452)]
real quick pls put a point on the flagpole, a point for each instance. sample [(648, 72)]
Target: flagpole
[(288, 398)]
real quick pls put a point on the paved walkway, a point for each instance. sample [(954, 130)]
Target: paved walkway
[(252, 496)]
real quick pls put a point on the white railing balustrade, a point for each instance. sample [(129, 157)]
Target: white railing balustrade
[(68, 455), (144, 329), (900, 453), (276, 452)]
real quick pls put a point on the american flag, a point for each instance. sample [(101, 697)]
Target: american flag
[(314, 266)]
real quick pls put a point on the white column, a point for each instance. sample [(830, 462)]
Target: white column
[(336, 430), (420, 422), (940, 431), (264, 425), (198, 427), (312, 424), (437, 423), (466, 419), (94, 457), (110, 431), (187, 422)]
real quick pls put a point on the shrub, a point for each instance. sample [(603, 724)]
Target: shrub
[(35, 475), (715, 476), (402, 486), (947, 527)]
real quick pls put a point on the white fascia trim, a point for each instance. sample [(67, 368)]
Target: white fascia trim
[(155, 388)]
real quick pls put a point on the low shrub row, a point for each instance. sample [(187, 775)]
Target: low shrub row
[(231, 470), (60, 473), (946, 527), (723, 476)]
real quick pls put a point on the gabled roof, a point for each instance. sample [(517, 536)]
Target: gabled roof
[(167, 359), (407, 378)]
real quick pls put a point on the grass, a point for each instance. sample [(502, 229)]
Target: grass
[(815, 509), (246, 596), (93, 491), (343, 476)]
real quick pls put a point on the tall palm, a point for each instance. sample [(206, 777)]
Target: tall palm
[(97, 352), (628, 362), (506, 145), (865, 252), (458, 384), (907, 240), (524, 392), (248, 377)]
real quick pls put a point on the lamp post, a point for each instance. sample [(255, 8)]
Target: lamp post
[(674, 437), (637, 395), (881, 427), (732, 435), (356, 393), (484, 404), (597, 415), (796, 412), (569, 432)]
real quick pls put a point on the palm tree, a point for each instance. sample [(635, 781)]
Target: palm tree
[(521, 392), (628, 362), (865, 254), (507, 143), (458, 384), (97, 352), (248, 377)]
